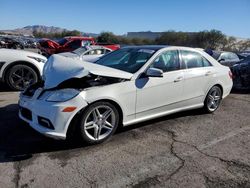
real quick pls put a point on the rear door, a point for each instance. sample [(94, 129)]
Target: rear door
[(198, 75)]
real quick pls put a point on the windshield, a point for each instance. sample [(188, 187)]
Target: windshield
[(80, 51), (127, 59), (62, 41)]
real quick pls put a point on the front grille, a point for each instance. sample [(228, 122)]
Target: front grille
[(45, 122), (26, 113)]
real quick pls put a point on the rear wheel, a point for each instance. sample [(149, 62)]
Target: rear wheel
[(99, 121), (213, 99), (20, 77)]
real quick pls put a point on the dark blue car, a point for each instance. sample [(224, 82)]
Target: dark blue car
[(241, 70)]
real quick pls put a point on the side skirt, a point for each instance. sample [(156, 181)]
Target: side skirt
[(145, 118)]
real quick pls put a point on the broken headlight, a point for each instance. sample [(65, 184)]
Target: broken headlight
[(61, 95)]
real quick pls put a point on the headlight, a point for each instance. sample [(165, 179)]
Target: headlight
[(40, 60), (61, 95)]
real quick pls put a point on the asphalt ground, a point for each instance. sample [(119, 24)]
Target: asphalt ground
[(187, 149)]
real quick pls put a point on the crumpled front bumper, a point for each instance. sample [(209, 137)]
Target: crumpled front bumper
[(35, 108)]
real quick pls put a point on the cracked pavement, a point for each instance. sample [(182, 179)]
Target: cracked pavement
[(188, 149)]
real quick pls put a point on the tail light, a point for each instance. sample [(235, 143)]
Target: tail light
[(230, 74)]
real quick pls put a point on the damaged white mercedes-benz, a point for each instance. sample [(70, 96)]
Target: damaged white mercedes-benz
[(127, 86)]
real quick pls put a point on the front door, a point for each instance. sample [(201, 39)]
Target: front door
[(159, 94)]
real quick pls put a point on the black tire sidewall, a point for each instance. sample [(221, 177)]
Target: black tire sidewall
[(84, 116), (16, 67)]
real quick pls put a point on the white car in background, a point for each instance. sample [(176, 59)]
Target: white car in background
[(20, 68), (87, 53), (127, 86)]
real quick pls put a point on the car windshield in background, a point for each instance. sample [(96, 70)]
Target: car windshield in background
[(80, 51), (62, 41), (127, 59)]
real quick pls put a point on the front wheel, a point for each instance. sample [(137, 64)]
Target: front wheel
[(21, 76), (99, 121), (213, 99)]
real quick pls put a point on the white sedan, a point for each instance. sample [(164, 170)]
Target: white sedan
[(127, 86), (19, 68), (87, 53)]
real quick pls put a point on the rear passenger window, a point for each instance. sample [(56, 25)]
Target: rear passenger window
[(96, 52), (234, 57), (194, 60)]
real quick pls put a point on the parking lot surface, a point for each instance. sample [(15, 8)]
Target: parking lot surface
[(188, 149)]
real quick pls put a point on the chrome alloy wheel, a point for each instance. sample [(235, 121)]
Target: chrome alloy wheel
[(99, 122), (214, 99)]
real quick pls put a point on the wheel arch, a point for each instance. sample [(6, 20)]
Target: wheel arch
[(118, 107), (9, 66), (218, 85), (73, 123)]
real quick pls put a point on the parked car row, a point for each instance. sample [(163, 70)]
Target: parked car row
[(18, 42), (68, 44)]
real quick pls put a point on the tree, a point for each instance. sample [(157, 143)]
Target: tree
[(210, 39), (244, 45), (229, 44), (107, 37), (62, 34), (173, 38)]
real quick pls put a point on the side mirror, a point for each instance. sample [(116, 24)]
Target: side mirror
[(154, 72), (221, 60)]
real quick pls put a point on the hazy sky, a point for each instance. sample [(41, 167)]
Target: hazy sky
[(232, 17)]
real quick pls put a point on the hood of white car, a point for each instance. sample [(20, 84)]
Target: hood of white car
[(16, 54), (59, 68), (70, 55)]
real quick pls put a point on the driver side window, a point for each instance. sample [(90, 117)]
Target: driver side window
[(167, 61)]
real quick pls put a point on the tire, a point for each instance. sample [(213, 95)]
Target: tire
[(213, 99), (98, 122), (20, 77)]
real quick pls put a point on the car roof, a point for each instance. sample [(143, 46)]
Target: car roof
[(78, 37), (150, 47)]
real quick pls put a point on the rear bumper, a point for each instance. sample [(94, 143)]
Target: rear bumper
[(227, 89)]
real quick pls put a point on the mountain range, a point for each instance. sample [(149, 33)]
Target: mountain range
[(28, 30)]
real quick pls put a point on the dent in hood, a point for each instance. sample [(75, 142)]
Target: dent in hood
[(58, 69)]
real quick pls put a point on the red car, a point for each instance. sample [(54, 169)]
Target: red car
[(68, 44)]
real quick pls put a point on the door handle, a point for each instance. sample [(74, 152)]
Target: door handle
[(208, 73), (178, 79)]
